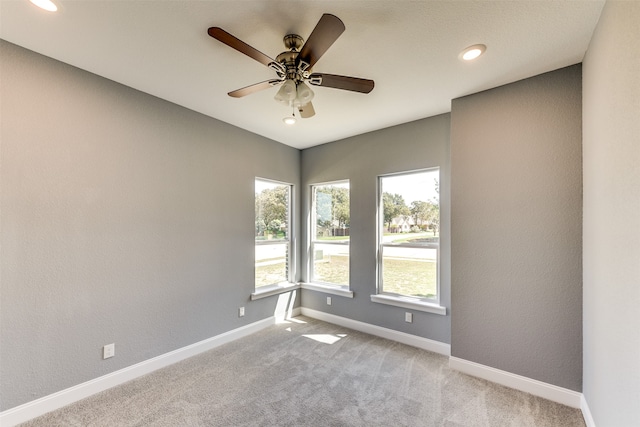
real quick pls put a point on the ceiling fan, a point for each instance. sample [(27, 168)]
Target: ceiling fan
[(294, 66)]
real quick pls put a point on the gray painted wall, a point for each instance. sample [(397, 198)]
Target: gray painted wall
[(125, 219), (516, 203), (611, 150), (112, 227), (361, 159)]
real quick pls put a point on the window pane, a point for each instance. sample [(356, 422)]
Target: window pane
[(332, 215), (331, 263), (410, 234), (330, 233), (410, 271), (271, 264), (411, 203), (272, 210), (272, 219)]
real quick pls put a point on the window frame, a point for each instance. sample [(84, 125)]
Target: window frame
[(428, 304), (340, 289), (289, 282)]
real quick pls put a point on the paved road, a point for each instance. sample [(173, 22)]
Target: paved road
[(276, 253)]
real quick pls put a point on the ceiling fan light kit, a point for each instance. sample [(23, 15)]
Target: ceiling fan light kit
[(304, 94), (287, 92), (294, 67)]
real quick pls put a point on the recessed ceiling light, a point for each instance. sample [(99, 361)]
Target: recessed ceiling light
[(472, 52), (45, 4)]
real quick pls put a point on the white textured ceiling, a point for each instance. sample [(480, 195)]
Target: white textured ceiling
[(409, 48)]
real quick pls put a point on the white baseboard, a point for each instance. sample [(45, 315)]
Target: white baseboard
[(537, 388), (379, 331), (586, 412), (57, 400), (30, 410)]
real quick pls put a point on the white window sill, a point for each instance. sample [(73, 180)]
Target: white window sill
[(410, 303), (328, 289), (267, 291)]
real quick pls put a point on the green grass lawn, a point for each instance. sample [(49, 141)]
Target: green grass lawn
[(401, 276), (407, 277), (332, 269), (270, 274)]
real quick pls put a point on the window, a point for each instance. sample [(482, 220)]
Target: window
[(330, 234), (409, 236), (272, 233)]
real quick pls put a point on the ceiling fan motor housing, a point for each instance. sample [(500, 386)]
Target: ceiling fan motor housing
[(288, 58)]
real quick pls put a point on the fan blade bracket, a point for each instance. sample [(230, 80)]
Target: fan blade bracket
[(280, 69), (315, 79), (303, 65), (354, 84)]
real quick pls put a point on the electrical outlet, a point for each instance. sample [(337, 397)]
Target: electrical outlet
[(241, 312), (108, 351), (328, 300), (408, 317)]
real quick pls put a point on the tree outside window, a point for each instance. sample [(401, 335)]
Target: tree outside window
[(272, 232)]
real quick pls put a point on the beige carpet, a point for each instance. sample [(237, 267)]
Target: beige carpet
[(311, 373)]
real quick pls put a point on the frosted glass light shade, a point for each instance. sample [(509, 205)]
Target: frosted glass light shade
[(304, 94), (287, 92)]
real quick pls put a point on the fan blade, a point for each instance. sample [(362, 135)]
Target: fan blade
[(341, 82), (322, 37), (306, 111), (237, 44), (239, 93)]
